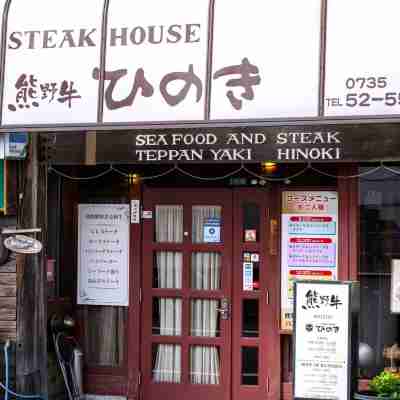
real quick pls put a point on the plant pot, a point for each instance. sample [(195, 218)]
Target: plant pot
[(370, 396)]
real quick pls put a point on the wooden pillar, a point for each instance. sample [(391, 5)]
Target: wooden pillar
[(31, 349), (134, 378), (348, 223)]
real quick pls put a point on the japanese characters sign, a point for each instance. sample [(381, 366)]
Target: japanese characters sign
[(321, 340), (309, 243), (103, 254), (174, 62)]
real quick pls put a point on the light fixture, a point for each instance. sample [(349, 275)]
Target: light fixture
[(133, 179), (269, 166)]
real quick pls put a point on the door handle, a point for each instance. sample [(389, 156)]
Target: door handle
[(225, 309)]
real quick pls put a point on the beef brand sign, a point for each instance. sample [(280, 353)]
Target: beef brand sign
[(93, 63)]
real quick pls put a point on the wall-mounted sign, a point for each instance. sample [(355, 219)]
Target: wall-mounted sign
[(322, 331), (103, 254), (212, 230), (202, 78), (16, 145), (23, 244), (309, 245), (248, 276), (395, 287), (378, 142), (135, 211)]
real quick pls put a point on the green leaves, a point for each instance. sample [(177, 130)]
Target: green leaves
[(386, 384)]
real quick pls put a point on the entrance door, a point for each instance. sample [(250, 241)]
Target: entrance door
[(205, 319)]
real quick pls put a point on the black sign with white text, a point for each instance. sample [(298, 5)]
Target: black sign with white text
[(379, 142)]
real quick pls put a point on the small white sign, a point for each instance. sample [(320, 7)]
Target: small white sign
[(148, 214), (395, 287), (103, 254), (135, 211), (212, 230), (16, 145), (322, 331), (247, 276), (255, 257)]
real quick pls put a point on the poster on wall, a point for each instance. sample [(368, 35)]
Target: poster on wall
[(322, 334), (103, 254), (308, 243), (395, 287)]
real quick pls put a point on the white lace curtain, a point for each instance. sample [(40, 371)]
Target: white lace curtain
[(205, 275)]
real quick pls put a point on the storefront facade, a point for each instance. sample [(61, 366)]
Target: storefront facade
[(182, 198)]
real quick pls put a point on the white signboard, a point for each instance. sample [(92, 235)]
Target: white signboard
[(395, 287), (322, 331), (309, 246), (52, 49), (103, 254), (176, 62), (156, 60), (362, 71), (254, 53)]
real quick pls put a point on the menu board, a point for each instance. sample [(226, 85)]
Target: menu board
[(103, 254), (321, 341), (309, 243)]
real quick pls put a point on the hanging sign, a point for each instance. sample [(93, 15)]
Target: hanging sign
[(23, 244), (103, 254), (322, 331), (309, 243)]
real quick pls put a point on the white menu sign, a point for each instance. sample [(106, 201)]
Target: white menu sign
[(322, 331), (103, 254)]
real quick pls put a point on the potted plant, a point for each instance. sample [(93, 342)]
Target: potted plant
[(385, 385)]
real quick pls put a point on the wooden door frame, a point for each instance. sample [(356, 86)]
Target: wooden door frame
[(269, 343), (190, 197)]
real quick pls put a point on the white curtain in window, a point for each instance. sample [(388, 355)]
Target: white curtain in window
[(204, 360), (200, 214), (169, 228), (169, 224)]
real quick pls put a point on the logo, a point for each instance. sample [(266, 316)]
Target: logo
[(309, 327)]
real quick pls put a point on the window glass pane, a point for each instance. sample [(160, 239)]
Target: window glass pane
[(104, 335), (169, 224), (167, 270), (206, 224), (249, 366), (379, 201), (166, 361), (204, 365), (204, 317), (206, 271), (250, 318), (167, 316), (251, 222)]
